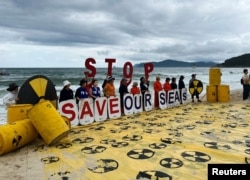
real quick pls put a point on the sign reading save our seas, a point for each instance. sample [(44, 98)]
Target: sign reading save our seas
[(103, 108)]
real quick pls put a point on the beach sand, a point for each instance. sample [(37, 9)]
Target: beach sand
[(175, 143)]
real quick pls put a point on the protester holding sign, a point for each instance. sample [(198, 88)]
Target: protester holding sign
[(82, 91), (135, 89), (95, 91), (123, 89), (66, 93), (157, 88), (109, 88)]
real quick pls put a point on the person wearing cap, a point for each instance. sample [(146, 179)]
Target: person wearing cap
[(66, 93), (181, 85), (82, 91), (11, 98), (123, 89), (157, 88), (193, 77), (95, 91), (135, 89), (109, 88)]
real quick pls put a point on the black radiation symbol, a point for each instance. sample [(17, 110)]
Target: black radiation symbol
[(170, 140), (132, 138), (61, 175), (107, 141), (157, 145), (63, 146), (195, 156), (177, 134), (247, 151), (98, 128), (150, 175), (171, 163), (190, 127), (76, 131), (156, 124), (83, 140), (247, 141), (104, 165), (140, 154), (232, 125), (121, 124), (151, 131), (115, 131), (196, 87), (206, 132), (204, 122), (16, 140), (93, 149), (215, 145), (50, 159), (119, 144)]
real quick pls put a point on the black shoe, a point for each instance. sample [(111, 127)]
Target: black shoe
[(192, 100), (199, 100)]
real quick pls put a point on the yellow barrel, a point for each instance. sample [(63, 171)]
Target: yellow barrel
[(16, 135), (223, 93), (214, 76), (18, 112), (67, 121), (212, 93), (48, 122)]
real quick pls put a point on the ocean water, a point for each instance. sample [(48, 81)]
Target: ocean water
[(230, 76)]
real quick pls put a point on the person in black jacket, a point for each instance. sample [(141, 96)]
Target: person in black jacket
[(123, 89), (66, 93), (181, 85), (173, 83), (144, 86)]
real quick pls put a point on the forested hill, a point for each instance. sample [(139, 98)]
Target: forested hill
[(239, 61), (175, 63)]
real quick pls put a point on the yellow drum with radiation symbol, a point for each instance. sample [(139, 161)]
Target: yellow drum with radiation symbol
[(18, 112), (16, 135), (211, 93), (48, 122)]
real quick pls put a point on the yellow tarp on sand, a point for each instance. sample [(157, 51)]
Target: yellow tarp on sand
[(176, 143)]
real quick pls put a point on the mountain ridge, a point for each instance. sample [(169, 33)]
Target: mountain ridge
[(238, 61)]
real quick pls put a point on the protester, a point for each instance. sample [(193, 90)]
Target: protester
[(95, 91), (157, 88), (167, 87), (66, 93), (11, 97), (135, 89), (173, 83), (144, 86), (195, 93), (109, 88), (246, 86), (82, 91), (181, 85), (123, 89)]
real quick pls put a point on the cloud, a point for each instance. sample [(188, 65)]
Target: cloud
[(137, 31)]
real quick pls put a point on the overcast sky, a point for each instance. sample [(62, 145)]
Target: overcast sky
[(63, 33)]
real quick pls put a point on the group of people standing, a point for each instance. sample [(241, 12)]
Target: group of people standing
[(92, 89)]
